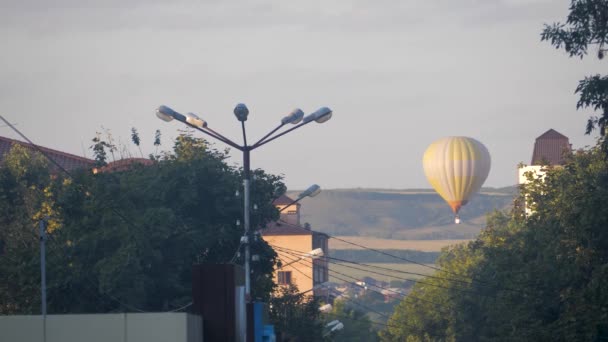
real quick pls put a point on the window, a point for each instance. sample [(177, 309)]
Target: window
[(284, 277), (317, 274)]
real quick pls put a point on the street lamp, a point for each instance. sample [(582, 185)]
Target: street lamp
[(334, 325), (312, 191), (314, 254), (296, 117)]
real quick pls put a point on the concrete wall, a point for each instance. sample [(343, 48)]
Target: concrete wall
[(139, 327)]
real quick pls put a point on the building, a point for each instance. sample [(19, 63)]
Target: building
[(291, 240), (65, 160), (71, 162), (549, 149)]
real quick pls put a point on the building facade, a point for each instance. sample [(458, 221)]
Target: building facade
[(291, 241), (549, 150)]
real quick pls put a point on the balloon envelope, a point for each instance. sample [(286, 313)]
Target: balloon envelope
[(456, 167)]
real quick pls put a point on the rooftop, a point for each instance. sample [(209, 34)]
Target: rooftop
[(550, 148), (283, 200), (284, 228), (66, 160)]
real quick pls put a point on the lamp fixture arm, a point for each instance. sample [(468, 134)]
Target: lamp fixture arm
[(263, 142)]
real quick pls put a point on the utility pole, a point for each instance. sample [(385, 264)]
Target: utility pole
[(246, 218), (43, 276)]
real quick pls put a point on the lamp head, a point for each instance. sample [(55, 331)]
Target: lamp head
[(294, 117), (323, 114), (241, 112), (332, 323), (194, 120), (338, 326), (325, 308), (315, 253), (312, 191), (165, 113)]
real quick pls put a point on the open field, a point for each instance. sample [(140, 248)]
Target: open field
[(418, 245), (388, 275)]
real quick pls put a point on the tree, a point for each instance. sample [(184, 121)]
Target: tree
[(357, 326), (534, 278), (25, 198), (126, 240), (586, 25), (296, 316)]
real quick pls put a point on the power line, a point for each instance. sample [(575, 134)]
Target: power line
[(80, 188), (437, 305), (357, 303), (415, 281), (400, 258)]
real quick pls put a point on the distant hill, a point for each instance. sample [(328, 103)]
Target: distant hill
[(415, 214)]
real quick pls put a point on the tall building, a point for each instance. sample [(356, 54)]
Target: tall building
[(291, 240), (549, 149)]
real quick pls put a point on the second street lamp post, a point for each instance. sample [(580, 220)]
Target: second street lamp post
[(312, 191), (296, 117)]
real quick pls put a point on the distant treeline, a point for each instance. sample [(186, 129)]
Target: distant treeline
[(364, 255)]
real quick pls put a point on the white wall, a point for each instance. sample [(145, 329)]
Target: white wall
[(535, 169), (139, 327)]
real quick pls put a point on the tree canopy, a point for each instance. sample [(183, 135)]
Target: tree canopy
[(535, 278), (586, 27), (125, 240)]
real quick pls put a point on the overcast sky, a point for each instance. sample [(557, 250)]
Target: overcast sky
[(398, 74)]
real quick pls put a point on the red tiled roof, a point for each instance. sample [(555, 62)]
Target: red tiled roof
[(284, 228), (550, 148), (282, 200), (66, 160)]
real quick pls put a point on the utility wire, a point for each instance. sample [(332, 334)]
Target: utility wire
[(371, 288), (403, 259), (81, 188), (413, 280), (368, 309)]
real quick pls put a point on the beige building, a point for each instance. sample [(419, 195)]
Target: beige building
[(292, 241)]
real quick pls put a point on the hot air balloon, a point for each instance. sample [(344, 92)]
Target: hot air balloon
[(456, 167)]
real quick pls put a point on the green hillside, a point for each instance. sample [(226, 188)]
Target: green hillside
[(399, 214)]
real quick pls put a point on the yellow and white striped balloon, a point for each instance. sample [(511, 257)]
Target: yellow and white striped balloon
[(456, 167)]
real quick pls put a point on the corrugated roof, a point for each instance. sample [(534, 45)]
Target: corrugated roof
[(550, 148), (66, 160)]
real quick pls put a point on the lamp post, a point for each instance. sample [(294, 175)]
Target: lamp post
[(312, 191), (314, 254), (296, 118)]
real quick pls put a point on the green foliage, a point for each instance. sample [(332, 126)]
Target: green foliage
[(535, 278), (296, 316), (99, 150), (135, 139), (357, 326), (24, 184), (135, 136), (125, 239), (587, 24)]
